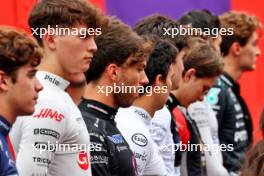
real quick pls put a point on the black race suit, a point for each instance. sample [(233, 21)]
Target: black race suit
[(110, 153)]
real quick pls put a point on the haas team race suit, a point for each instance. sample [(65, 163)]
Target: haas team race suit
[(54, 140)]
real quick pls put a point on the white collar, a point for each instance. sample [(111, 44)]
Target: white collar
[(50, 79), (143, 114)]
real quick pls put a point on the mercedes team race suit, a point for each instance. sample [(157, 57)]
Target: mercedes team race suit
[(234, 120), (54, 140)]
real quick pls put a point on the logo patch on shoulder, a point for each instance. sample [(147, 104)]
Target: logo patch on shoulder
[(212, 96)]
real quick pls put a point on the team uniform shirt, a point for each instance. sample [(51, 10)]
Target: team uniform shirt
[(54, 140), (7, 163), (171, 104), (235, 127), (111, 155), (160, 131), (207, 125), (192, 158), (135, 123)]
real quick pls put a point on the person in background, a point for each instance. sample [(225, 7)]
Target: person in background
[(118, 63), (202, 66), (239, 51), (254, 163), (206, 21), (200, 111), (160, 72), (262, 123), (155, 25)]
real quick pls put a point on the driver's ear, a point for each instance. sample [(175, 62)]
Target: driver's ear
[(50, 41), (189, 74), (235, 48), (113, 72), (158, 80), (4, 81)]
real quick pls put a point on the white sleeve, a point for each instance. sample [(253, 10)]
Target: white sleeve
[(141, 151), (39, 135), (160, 131), (155, 165), (160, 127), (200, 112), (149, 162), (133, 137), (138, 137)]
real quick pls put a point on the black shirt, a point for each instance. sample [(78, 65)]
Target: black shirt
[(171, 104), (111, 155)]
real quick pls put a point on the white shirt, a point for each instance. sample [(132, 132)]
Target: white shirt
[(134, 124), (56, 120), (161, 134), (207, 125)]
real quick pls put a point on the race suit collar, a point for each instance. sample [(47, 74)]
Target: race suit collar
[(145, 116), (100, 107), (5, 126), (231, 82), (50, 79), (172, 102)]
